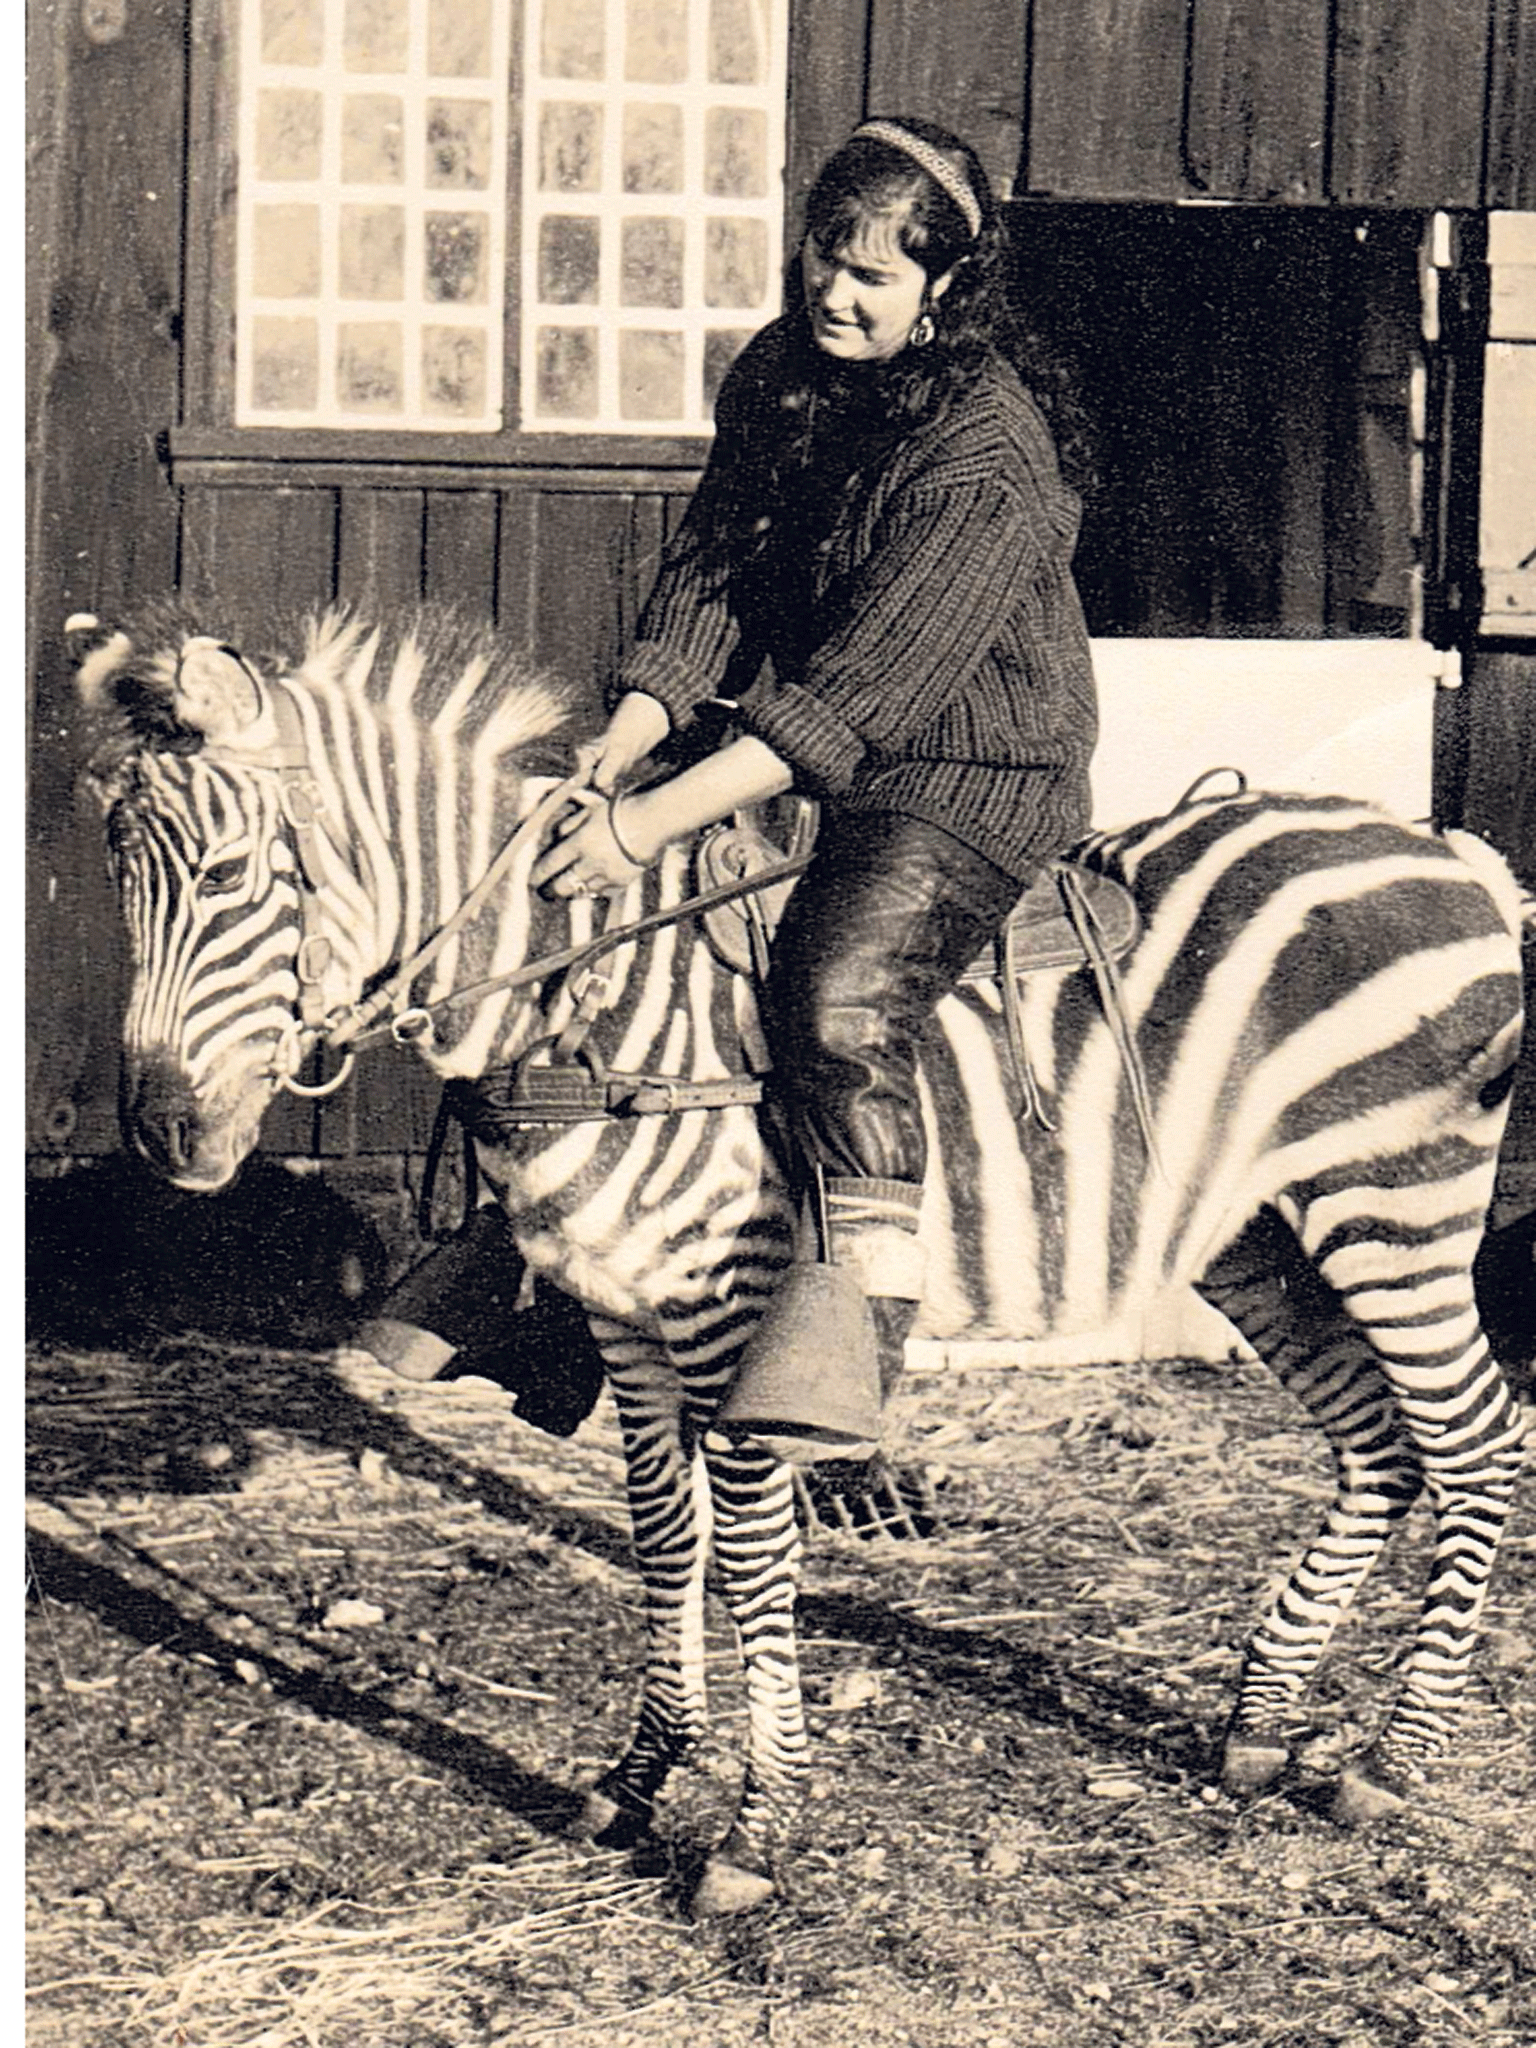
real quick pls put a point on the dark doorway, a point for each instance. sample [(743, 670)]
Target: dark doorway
[(1248, 378)]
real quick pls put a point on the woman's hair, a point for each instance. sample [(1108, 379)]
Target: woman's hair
[(871, 177)]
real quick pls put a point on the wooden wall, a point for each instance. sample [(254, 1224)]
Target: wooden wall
[(1401, 103), (1380, 102)]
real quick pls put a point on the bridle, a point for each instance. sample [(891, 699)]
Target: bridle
[(387, 1014)]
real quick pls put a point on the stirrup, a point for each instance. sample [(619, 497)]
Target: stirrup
[(808, 1386)]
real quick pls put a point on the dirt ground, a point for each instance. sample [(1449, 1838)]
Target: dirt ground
[(317, 1661)]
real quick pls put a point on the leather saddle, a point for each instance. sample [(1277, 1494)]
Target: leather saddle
[(1067, 910)]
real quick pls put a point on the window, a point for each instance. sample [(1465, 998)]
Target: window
[(375, 260)]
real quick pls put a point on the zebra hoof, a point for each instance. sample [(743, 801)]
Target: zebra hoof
[(608, 1825), (1359, 1799), (725, 1887), (1247, 1767)]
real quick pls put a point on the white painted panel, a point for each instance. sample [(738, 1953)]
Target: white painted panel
[(1507, 538), (1344, 717)]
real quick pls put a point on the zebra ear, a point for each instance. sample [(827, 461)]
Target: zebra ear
[(216, 693), (98, 663)]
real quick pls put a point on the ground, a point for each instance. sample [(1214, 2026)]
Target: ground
[(318, 1661)]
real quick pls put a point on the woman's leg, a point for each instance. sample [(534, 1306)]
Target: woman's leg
[(882, 926)]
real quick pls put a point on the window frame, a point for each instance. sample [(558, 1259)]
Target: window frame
[(206, 433)]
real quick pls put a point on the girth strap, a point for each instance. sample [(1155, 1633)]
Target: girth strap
[(528, 1097)]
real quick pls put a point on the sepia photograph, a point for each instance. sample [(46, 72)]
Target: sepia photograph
[(780, 843)]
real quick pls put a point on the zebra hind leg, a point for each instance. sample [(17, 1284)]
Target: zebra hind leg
[(1268, 1289), (1420, 1313), (669, 1519), (757, 1555)]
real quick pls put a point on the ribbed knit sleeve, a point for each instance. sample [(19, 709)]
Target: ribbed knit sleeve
[(914, 624), (688, 629), (687, 632)]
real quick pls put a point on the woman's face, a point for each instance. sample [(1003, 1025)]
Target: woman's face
[(863, 298)]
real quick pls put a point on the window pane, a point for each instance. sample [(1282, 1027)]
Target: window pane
[(567, 386), (372, 137), (459, 144), (736, 153), (292, 31), (655, 184), (653, 149), (568, 254), (369, 370), (735, 262), (288, 129), (402, 173), (650, 375), (287, 255), (459, 38), (570, 147), (651, 263), (656, 41), (372, 251), (285, 364), (572, 44), (453, 370), (455, 267), (736, 53), (376, 35)]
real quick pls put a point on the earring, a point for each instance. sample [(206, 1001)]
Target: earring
[(923, 330)]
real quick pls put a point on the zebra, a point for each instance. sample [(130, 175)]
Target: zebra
[(1326, 1004)]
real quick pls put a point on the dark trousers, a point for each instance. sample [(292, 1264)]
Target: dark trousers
[(882, 925)]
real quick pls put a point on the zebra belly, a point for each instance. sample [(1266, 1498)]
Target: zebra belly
[(653, 1216)]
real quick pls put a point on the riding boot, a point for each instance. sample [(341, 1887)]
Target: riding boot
[(467, 1308), (815, 1371)]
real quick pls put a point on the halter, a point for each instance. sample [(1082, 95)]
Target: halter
[(300, 801), (388, 1014)]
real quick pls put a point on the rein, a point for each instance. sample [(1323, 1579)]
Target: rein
[(367, 1023), (408, 1026)]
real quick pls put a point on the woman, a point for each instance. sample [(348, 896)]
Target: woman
[(876, 569)]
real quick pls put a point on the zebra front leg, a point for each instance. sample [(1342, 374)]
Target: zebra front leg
[(669, 1524), (1268, 1289), (757, 1553)]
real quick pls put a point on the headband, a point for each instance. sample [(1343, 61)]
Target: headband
[(937, 165)]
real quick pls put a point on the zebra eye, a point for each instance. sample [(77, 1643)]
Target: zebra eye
[(222, 879)]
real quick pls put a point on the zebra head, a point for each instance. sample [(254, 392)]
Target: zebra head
[(206, 858)]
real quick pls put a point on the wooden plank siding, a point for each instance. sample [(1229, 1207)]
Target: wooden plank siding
[(1425, 103), (967, 71), (1407, 122), (1365, 103), (1256, 119), (1106, 99), (102, 516)]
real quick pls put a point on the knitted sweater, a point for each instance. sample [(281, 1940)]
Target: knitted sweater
[(898, 620)]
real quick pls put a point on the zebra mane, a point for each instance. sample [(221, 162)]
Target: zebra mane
[(427, 657), (435, 659)]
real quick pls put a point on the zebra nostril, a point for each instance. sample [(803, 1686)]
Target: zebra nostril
[(159, 1117)]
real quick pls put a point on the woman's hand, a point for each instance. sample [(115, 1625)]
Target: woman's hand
[(638, 726), (586, 859)]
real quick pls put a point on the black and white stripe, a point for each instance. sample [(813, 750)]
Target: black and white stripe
[(1327, 1009)]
